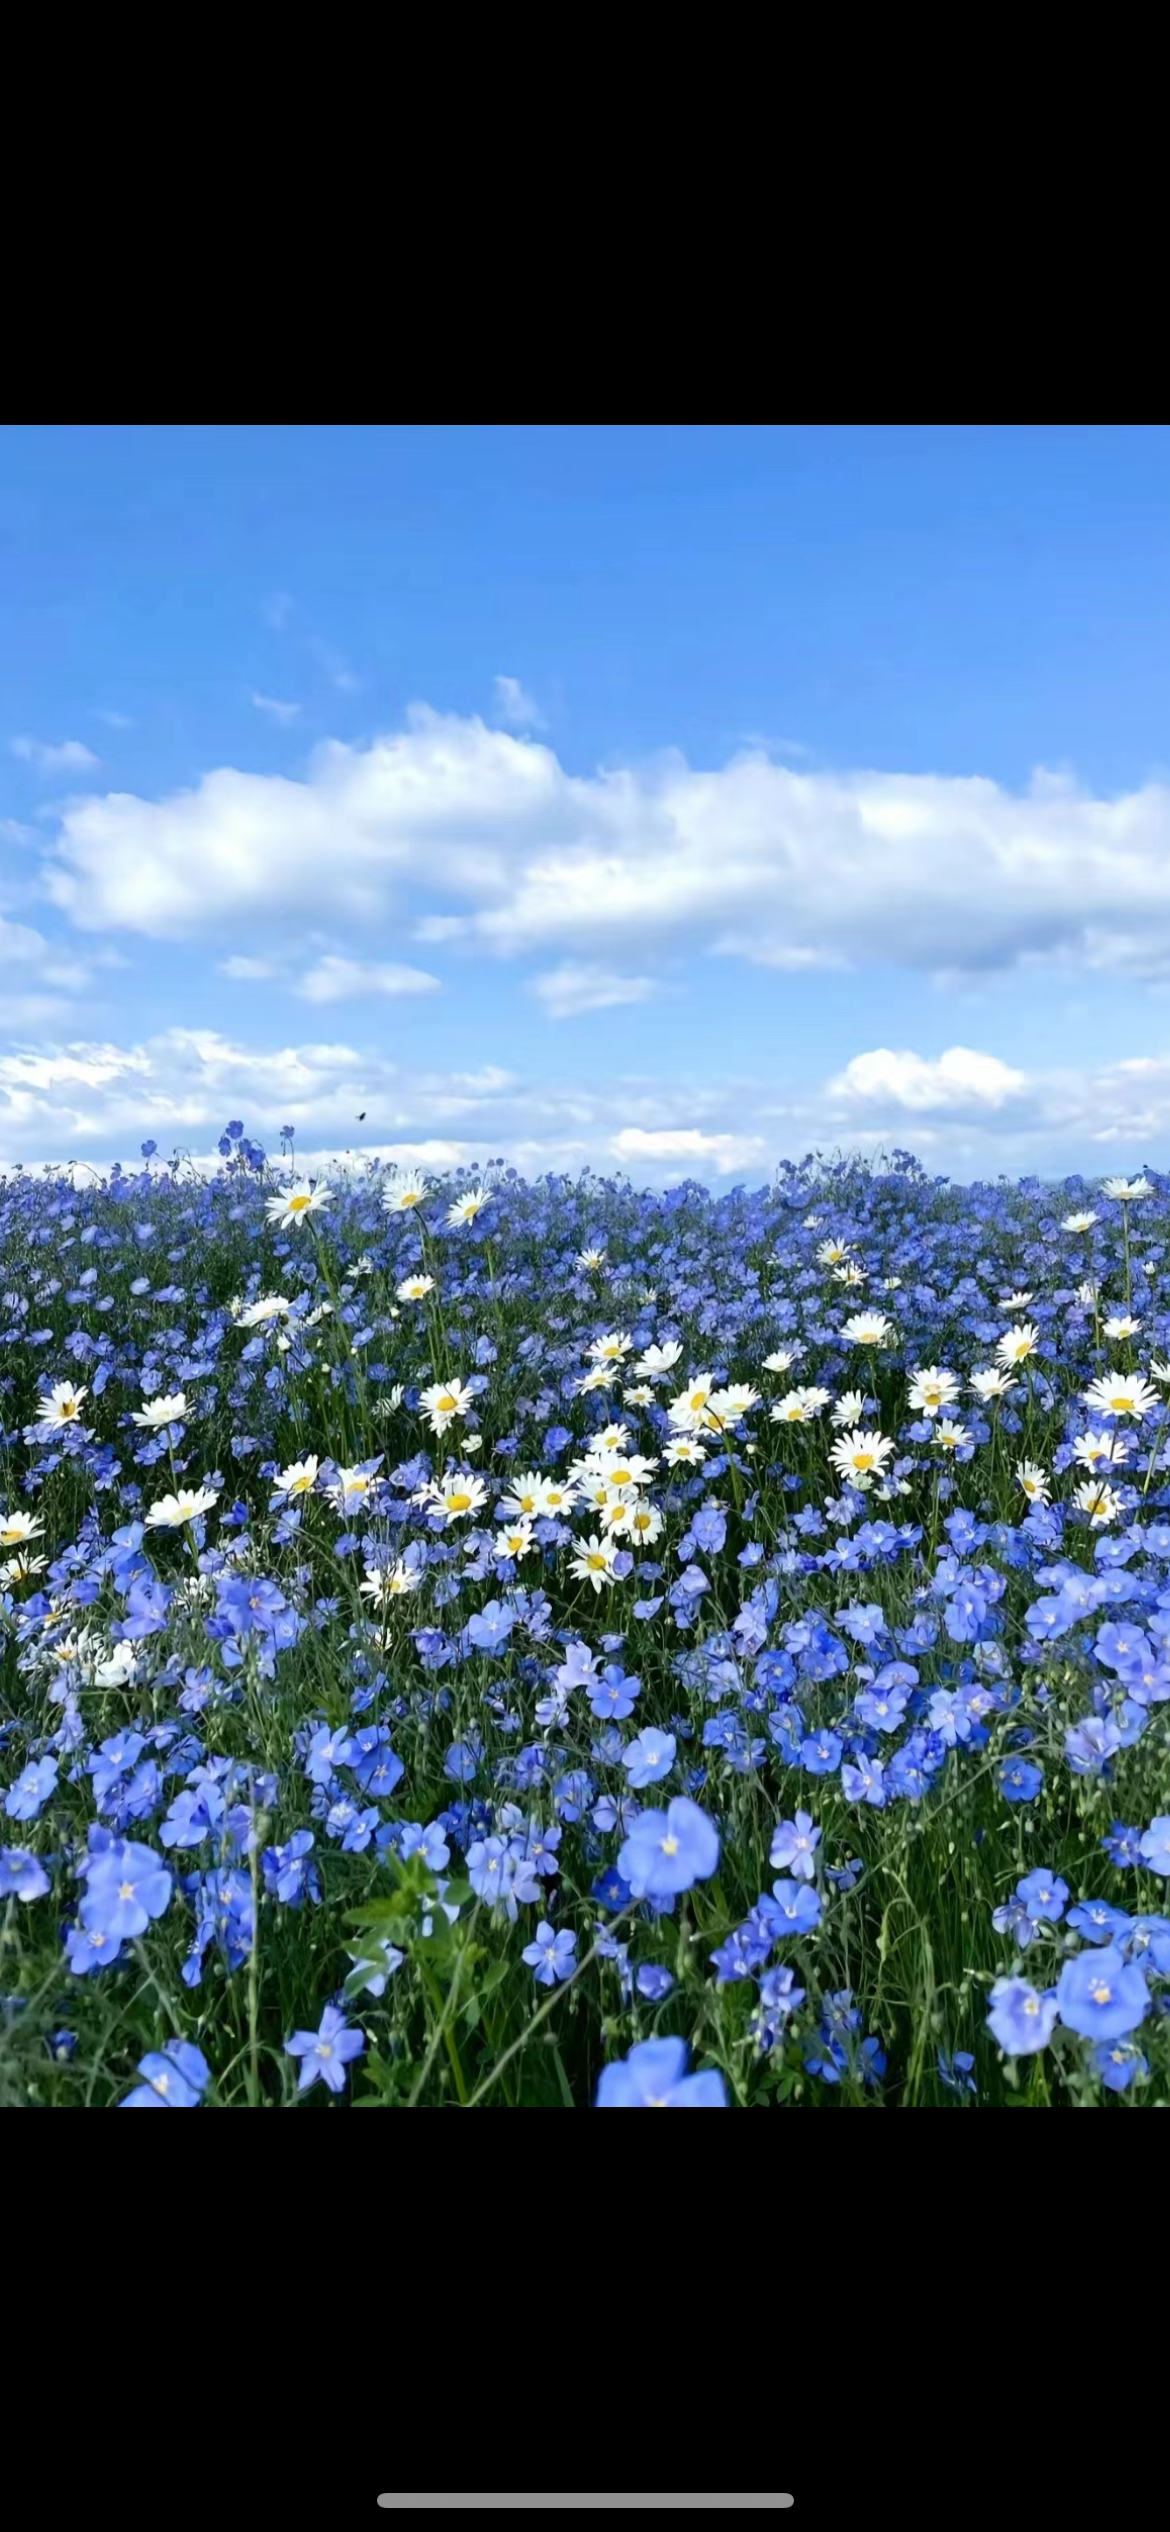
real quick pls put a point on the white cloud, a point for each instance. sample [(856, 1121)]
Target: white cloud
[(114, 720), (481, 835), (516, 706), (961, 1078), (72, 756), (96, 1100), (246, 971), (344, 979), (276, 710), (723, 1152), (573, 988)]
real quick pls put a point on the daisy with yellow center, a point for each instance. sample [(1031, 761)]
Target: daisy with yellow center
[(405, 1191), (467, 1208), (1099, 1501), (1119, 1393), (859, 1456), (658, 1360), (189, 1504), (1018, 1343), (593, 1563), (523, 1499), (17, 1527), (640, 1522), (602, 1376), (62, 1405), (295, 1206), (300, 1478), (610, 1349), (989, 1385), (443, 1402), (455, 1497), (415, 1287), (950, 1436), (1079, 1221), (1091, 1449), (1036, 1484), (159, 1412), (869, 1327), (515, 1541), (726, 1408), (932, 1389), (391, 1582)]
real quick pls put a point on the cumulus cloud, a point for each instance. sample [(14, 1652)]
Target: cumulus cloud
[(515, 705), (96, 1100), (961, 1078), (480, 834), (345, 979), (247, 971), (70, 757), (575, 987)]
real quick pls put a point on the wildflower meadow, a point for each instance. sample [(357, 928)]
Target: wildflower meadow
[(487, 1644)]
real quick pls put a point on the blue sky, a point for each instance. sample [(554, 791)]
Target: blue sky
[(665, 798)]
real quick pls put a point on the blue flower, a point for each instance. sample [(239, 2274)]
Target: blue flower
[(326, 2053), (668, 1851), (956, 2072), (653, 1982), (1044, 1896), (1155, 1847), (649, 1757), (794, 1846), (1019, 1780), (550, 1955), (32, 1789), (1097, 1921), (1119, 2064), (490, 1627), (1021, 2019), (654, 2077), (125, 1888), (1102, 1995), (174, 2080), (22, 1875), (799, 1906)]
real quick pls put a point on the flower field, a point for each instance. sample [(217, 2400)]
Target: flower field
[(488, 1644)]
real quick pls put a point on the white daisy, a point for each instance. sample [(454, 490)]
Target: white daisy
[(1120, 1393), (443, 1402), (466, 1208), (406, 1190), (171, 1511), (289, 1209), (62, 1405), (158, 1412)]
